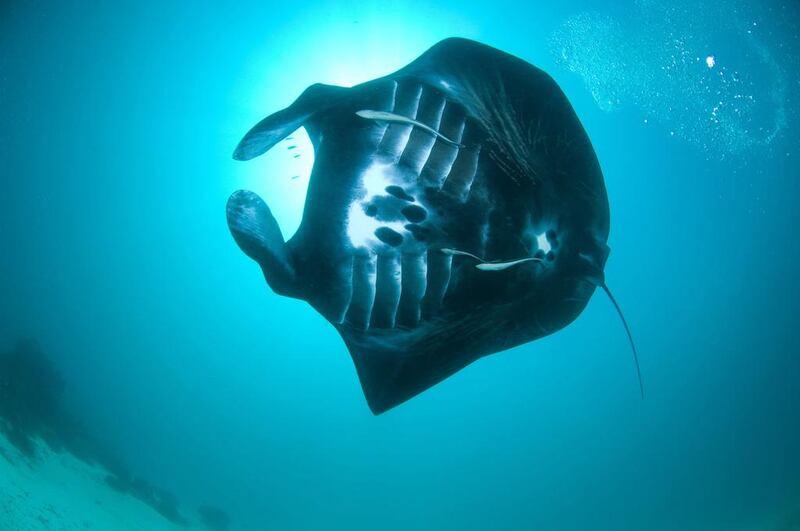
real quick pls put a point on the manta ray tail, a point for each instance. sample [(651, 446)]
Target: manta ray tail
[(630, 336)]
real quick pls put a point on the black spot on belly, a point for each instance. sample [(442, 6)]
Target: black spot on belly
[(414, 213), (419, 233), (371, 210), (399, 193), (388, 236), (550, 256)]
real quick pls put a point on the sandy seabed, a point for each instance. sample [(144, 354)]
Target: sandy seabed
[(56, 491)]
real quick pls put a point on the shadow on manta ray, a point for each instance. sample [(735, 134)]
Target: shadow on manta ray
[(455, 209)]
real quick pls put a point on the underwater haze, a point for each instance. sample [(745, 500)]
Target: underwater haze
[(117, 126)]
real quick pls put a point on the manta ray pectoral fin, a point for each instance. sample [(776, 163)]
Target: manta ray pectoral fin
[(257, 233), (389, 377), (283, 123)]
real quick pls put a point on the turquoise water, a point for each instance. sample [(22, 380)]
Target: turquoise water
[(118, 124)]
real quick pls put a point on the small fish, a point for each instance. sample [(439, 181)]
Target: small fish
[(499, 266), (297, 156), (295, 177), (390, 117), (292, 147)]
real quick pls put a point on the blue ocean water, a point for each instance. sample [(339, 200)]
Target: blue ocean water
[(118, 124)]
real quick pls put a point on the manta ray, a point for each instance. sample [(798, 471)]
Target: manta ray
[(455, 209)]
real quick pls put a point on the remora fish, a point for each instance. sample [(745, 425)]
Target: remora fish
[(392, 118), (499, 266), (489, 266), (454, 252)]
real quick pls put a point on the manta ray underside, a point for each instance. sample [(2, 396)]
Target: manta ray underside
[(455, 209)]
